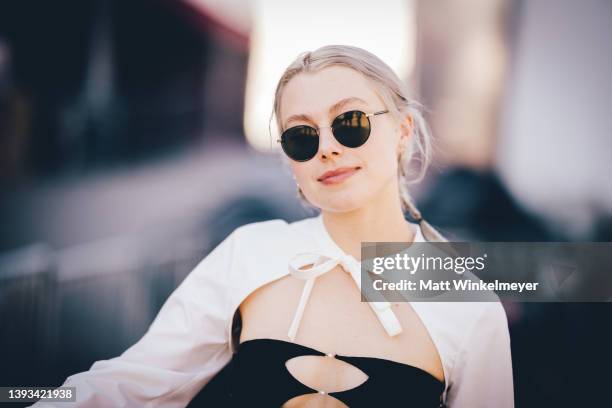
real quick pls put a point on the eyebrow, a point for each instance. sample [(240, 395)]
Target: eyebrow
[(334, 108)]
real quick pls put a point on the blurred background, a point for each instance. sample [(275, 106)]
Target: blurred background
[(134, 138)]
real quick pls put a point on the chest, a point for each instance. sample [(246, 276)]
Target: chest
[(335, 320)]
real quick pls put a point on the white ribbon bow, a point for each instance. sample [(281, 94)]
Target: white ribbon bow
[(316, 264)]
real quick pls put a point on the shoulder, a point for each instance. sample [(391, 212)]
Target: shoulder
[(491, 326), (486, 320), (269, 243), (456, 321), (457, 316), (484, 316), (458, 328), (473, 319)]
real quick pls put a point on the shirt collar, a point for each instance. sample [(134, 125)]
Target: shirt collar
[(309, 265)]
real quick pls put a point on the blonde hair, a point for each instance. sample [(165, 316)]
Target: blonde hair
[(395, 97)]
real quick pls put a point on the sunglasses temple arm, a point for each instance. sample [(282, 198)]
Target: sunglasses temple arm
[(376, 113)]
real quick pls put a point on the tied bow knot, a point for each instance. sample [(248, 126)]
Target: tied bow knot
[(310, 265)]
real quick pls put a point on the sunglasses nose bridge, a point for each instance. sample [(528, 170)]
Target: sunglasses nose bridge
[(327, 141)]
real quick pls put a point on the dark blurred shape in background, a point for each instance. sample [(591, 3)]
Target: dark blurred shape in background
[(110, 82), (123, 162)]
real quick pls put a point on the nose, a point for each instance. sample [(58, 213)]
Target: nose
[(328, 145)]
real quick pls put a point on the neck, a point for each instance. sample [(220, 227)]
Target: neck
[(379, 221)]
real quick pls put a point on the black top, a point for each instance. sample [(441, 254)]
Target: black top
[(257, 376)]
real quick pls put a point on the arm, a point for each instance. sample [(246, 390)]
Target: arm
[(483, 370), (185, 346)]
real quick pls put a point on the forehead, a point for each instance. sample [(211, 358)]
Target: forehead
[(312, 94)]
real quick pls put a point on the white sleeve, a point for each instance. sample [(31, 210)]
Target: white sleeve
[(482, 375), (185, 346)]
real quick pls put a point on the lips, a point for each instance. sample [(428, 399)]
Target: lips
[(337, 175)]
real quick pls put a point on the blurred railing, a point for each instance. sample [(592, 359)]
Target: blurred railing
[(61, 310)]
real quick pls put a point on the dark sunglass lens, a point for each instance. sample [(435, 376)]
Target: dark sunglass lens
[(352, 129), (300, 143)]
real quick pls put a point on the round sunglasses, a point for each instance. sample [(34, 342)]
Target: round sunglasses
[(351, 129)]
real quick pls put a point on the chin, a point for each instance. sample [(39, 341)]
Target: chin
[(339, 204)]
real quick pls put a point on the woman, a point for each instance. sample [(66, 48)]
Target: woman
[(273, 316)]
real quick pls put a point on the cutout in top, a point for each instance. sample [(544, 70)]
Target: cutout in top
[(325, 373)]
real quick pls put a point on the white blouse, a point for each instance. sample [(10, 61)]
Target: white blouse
[(190, 339)]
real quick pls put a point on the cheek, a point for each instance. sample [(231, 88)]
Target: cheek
[(381, 157), (301, 171)]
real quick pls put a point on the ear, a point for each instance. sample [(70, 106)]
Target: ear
[(406, 130)]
